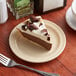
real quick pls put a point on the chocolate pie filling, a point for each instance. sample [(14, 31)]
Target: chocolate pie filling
[(37, 40)]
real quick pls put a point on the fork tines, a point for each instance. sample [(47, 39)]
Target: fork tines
[(4, 60)]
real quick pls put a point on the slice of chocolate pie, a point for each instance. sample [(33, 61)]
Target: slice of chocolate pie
[(35, 30)]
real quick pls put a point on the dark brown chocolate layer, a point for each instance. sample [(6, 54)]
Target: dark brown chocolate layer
[(37, 40)]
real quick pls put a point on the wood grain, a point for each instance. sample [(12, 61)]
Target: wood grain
[(65, 64)]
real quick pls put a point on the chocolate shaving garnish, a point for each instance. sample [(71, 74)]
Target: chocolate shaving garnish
[(34, 19), (29, 26), (40, 24), (46, 34), (32, 27), (44, 30), (48, 38), (27, 22), (23, 27)]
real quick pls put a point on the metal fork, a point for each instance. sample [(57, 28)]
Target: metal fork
[(11, 63)]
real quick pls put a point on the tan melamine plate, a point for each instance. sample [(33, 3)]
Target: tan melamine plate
[(28, 51)]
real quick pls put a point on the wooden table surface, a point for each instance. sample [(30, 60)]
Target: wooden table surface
[(65, 64)]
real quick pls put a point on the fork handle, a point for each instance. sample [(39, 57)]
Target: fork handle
[(38, 71)]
